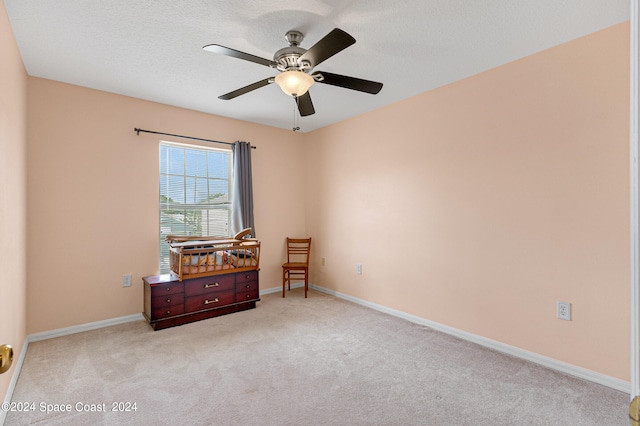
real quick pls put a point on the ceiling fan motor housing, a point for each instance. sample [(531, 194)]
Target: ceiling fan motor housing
[(287, 57)]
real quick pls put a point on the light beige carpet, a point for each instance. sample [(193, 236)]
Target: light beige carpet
[(296, 361)]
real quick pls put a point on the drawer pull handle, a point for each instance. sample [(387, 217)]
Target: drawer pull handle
[(247, 276), (248, 296), (168, 312), (168, 288), (206, 302), (168, 300), (211, 285), (247, 286)]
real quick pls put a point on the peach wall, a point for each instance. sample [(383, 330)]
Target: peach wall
[(13, 197), (93, 198), (480, 204)]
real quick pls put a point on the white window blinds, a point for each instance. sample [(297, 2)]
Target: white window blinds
[(195, 193)]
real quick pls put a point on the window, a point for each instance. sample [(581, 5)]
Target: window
[(195, 193)]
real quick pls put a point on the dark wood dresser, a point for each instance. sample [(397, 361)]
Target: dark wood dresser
[(169, 302)]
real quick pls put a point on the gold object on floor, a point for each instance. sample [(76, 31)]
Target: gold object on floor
[(6, 358), (634, 412)]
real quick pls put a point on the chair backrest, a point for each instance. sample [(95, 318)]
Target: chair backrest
[(298, 250)]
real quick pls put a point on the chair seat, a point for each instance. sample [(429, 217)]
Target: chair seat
[(294, 265)]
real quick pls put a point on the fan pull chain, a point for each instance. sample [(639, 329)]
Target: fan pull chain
[(296, 124)]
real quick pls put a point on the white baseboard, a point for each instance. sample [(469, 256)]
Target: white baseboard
[(270, 290), (551, 363), (83, 327), (279, 289)]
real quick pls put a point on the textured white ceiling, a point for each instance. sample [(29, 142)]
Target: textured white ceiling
[(152, 49)]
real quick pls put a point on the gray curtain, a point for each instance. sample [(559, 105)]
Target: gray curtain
[(242, 204)]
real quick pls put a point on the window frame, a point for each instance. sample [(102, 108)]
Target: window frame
[(165, 174)]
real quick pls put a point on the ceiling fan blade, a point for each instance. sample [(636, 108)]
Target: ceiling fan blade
[(221, 50), (334, 42), (246, 89), (305, 106), (352, 83)]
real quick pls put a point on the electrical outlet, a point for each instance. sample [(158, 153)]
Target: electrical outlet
[(563, 310), (359, 268), (126, 280)]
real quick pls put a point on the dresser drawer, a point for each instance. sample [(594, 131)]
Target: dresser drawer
[(242, 277), (165, 289), (197, 286), (246, 286), (167, 300), (210, 300), (167, 311), (243, 296)]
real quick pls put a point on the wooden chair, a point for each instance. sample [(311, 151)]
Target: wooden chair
[(297, 265)]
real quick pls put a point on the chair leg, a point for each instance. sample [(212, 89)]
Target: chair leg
[(306, 282), (284, 275)]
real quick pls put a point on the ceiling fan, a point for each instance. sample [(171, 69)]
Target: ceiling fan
[(296, 64)]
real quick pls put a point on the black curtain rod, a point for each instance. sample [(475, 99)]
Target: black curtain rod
[(184, 137)]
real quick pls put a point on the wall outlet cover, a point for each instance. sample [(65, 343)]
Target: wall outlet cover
[(563, 311)]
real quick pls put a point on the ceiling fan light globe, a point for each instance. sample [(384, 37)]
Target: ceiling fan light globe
[(294, 83)]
